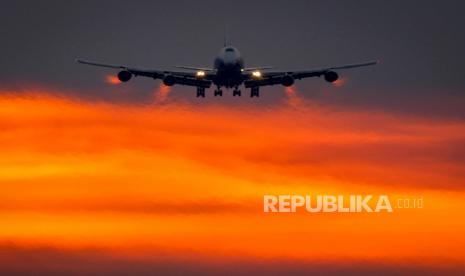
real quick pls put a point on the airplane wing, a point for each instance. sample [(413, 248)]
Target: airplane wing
[(255, 79), (258, 68), (193, 68), (173, 77)]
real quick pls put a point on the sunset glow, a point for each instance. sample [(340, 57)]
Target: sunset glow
[(181, 180)]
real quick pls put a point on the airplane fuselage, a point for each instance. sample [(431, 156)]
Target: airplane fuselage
[(229, 66)]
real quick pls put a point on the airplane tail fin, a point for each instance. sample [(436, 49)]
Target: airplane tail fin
[(226, 41)]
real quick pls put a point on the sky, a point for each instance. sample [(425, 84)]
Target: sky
[(419, 44), (100, 178)]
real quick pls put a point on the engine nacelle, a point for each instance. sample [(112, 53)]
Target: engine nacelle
[(287, 80), (331, 76), (169, 80), (124, 76)]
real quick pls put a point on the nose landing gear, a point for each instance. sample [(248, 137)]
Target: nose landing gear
[(254, 92), (218, 92)]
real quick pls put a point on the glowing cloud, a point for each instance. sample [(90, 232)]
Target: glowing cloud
[(183, 181)]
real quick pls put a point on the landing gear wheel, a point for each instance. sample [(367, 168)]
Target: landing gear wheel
[(236, 92)]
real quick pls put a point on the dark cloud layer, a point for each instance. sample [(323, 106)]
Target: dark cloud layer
[(50, 261), (420, 45)]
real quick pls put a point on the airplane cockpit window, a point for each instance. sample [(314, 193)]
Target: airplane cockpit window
[(229, 50)]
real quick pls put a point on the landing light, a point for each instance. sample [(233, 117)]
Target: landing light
[(200, 74), (256, 74)]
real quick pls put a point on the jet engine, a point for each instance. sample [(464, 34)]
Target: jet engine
[(331, 76), (169, 80), (287, 80), (124, 76)]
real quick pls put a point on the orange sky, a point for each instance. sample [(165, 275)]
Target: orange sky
[(185, 180)]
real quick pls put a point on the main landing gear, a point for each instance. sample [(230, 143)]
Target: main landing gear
[(218, 92), (254, 92), (200, 92)]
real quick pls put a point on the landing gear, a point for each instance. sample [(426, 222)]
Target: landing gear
[(255, 92), (218, 92), (200, 92), (236, 92)]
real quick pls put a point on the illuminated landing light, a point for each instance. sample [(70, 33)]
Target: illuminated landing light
[(256, 74), (200, 74), (242, 69)]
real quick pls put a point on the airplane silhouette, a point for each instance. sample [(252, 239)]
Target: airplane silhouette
[(228, 71)]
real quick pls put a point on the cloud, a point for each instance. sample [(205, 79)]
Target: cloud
[(308, 141), (130, 205), (52, 261), (180, 178)]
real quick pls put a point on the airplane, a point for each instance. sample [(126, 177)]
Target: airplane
[(228, 71)]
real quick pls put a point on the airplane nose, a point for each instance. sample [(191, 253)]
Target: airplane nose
[(229, 62)]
